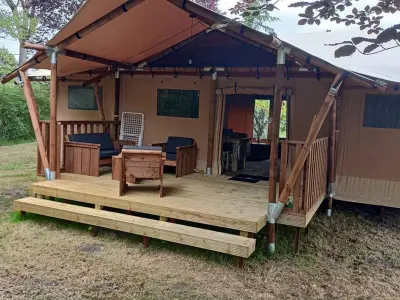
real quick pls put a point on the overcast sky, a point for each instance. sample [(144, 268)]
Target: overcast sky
[(286, 27)]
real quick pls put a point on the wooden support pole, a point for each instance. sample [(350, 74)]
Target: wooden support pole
[(332, 157), (36, 59), (274, 139), (31, 103), (32, 46), (95, 79), (97, 59), (117, 90), (211, 127), (98, 101), (311, 137), (53, 116)]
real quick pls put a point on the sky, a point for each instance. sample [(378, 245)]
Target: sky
[(286, 27)]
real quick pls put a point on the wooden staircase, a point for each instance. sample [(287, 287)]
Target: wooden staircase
[(201, 238)]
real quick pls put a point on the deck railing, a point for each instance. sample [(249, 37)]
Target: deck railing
[(311, 184), (73, 127)]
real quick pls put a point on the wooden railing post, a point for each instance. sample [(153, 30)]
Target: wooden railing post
[(276, 117), (332, 158), (311, 137)]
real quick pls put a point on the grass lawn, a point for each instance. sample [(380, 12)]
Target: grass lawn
[(352, 255)]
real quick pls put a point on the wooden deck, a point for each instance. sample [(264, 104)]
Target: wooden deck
[(194, 198)]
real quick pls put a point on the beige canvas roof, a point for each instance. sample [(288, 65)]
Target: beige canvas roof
[(150, 27)]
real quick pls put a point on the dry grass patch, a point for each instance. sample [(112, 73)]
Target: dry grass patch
[(352, 255)]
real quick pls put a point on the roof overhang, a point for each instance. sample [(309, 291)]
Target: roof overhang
[(133, 31)]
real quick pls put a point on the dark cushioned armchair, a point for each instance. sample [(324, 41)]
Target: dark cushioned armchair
[(180, 153), (85, 153)]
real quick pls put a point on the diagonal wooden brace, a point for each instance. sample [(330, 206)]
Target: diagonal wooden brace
[(31, 103), (311, 137)]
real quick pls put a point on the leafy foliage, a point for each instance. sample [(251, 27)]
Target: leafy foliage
[(348, 12), (34, 20), (254, 17), (261, 112), (7, 61), (15, 123), (210, 4)]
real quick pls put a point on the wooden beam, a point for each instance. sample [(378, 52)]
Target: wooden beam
[(311, 137), (332, 156), (274, 141), (117, 95), (38, 58), (31, 103), (125, 7), (211, 126), (95, 79), (98, 101), (32, 46), (53, 115), (97, 59), (181, 234)]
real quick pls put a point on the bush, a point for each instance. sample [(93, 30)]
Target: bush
[(15, 123)]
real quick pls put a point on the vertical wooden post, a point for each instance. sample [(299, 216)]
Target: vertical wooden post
[(31, 103), (53, 115), (211, 126), (98, 101), (311, 137), (332, 157), (117, 90), (274, 139)]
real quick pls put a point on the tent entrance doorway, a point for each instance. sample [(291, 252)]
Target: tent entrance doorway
[(245, 145)]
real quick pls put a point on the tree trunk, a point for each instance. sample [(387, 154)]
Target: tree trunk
[(23, 54)]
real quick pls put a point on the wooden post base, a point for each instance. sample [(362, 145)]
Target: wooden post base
[(145, 242), (241, 262), (95, 231), (296, 241), (22, 214)]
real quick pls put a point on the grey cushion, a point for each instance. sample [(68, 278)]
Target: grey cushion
[(104, 139), (175, 141), (108, 153)]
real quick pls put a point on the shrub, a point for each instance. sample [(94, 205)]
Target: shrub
[(15, 123)]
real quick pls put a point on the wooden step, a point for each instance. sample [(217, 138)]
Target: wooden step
[(201, 238)]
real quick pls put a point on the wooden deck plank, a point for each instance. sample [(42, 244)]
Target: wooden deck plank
[(201, 201), (200, 238)]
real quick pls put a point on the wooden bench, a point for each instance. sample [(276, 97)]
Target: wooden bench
[(201, 238)]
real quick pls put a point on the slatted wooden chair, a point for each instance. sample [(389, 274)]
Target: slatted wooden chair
[(180, 153), (141, 164)]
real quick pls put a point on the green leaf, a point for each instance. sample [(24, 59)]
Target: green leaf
[(387, 35), (370, 48), (344, 51), (302, 22)]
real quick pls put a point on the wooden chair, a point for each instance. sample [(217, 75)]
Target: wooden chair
[(84, 153), (180, 153), (141, 164)]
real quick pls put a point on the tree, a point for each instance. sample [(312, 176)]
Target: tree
[(260, 122), (257, 19), (7, 61), (210, 4), (34, 20), (348, 12)]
